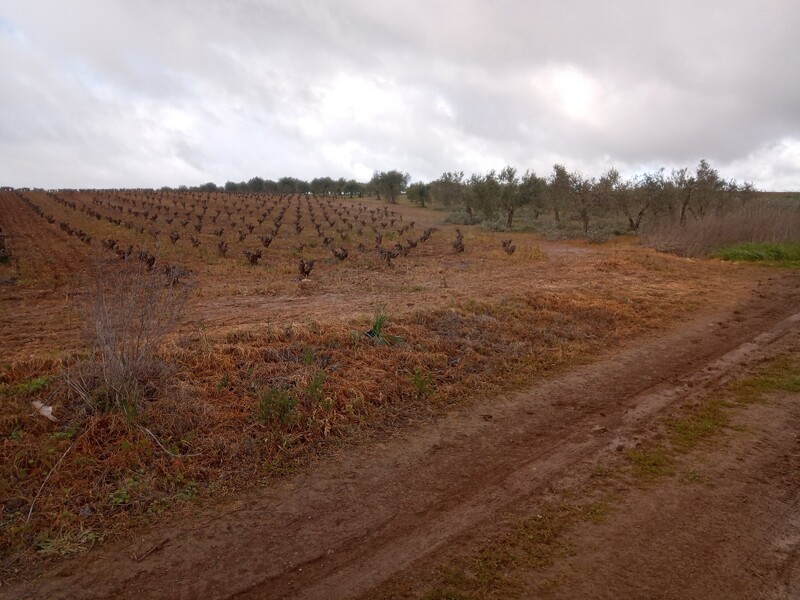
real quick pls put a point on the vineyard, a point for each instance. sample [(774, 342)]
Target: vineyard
[(304, 322), (193, 228)]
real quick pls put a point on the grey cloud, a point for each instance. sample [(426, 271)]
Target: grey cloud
[(99, 92)]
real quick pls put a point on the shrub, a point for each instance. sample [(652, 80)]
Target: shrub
[(495, 224), (277, 405), (460, 218), (765, 222), (128, 312)]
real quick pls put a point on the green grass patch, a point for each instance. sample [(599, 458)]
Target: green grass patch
[(780, 375), (651, 463), (25, 388), (687, 432), (783, 255)]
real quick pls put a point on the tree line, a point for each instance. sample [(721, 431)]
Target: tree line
[(385, 184), (681, 194), (500, 196)]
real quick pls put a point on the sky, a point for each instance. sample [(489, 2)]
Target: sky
[(114, 93)]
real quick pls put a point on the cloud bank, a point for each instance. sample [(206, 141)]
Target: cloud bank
[(97, 93)]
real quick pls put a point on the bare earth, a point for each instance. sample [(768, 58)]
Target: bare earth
[(379, 521), (734, 535), (393, 510)]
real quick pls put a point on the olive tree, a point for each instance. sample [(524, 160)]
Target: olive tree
[(448, 190), (390, 184), (483, 193), (509, 196), (559, 189), (418, 193), (583, 197), (533, 192)]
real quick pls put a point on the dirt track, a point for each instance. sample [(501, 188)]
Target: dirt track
[(349, 525), (731, 531)]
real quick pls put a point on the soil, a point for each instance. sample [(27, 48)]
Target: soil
[(40, 290), (392, 510), (377, 520), (44, 256), (733, 533)]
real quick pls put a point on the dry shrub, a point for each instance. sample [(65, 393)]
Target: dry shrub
[(767, 222), (128, 312)]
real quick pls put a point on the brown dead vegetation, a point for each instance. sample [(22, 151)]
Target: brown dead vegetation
[(255, 387)]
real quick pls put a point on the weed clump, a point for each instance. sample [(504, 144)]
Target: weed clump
[(128, 313), (379, 323), (277, 405), (316, 390), (422, 382)]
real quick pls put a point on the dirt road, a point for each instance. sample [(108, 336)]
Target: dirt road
[(395, 508)]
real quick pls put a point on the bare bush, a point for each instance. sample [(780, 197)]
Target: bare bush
[(768, 222), (128, 312)]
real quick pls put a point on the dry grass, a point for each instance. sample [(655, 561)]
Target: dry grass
[(266, 373), (767, 222), (208, 432)]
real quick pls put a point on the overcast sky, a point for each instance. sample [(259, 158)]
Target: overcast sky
[(101, 93)]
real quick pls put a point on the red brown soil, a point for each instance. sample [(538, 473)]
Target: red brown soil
[(389, 511), (228, 294), (45, 260), (392, 510), (735, 534)]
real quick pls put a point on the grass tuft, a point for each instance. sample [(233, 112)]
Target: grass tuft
[(379, 323), (781, 375), (651, 463), (687, 432)]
